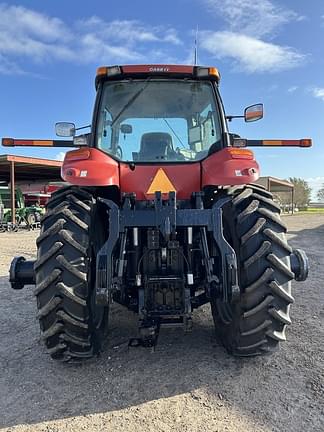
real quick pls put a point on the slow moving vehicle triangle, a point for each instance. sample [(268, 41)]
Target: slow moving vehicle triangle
[(161, 183)]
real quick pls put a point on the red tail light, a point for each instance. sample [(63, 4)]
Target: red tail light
[(239, 153), (80, 154)]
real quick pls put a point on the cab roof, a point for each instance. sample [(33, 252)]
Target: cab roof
[(178, 71)]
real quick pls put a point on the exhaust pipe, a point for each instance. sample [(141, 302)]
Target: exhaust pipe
[(21, 273)]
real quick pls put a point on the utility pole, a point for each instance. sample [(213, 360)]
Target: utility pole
[(12, 192), (196, 48)]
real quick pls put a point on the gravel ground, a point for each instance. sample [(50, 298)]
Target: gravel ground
[(188, 384)]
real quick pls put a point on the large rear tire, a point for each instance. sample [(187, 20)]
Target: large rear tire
[(256, 323), (71, 323)]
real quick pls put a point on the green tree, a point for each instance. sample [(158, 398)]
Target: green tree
[(302, 192), (320, 194)]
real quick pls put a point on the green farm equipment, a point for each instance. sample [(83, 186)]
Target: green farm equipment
[(25, 215)]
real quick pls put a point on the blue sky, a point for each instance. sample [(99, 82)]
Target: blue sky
[(267, 51)]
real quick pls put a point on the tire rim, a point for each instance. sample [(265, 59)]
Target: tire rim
[(31, 219)]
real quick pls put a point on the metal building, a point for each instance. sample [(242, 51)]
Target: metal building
[(274, 185), (17, 170)]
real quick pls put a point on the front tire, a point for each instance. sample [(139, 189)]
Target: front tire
[(71, 323), (256, 324)]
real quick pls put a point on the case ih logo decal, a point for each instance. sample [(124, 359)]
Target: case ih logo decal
[(159, 69)]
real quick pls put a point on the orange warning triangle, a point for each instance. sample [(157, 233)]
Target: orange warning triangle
[(161, 183)]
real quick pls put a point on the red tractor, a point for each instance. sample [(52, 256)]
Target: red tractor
[(162, 217)]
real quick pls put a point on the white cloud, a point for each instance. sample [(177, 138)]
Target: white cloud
[(94, 49), (254, 18), (25, 33), (60, 156), (123, 40), (247, 24), (292, 89), (171, 36), (318, 92), (315, 183), (24, 21), (120, 30), (8, 67), (128, 31), (250, 54)]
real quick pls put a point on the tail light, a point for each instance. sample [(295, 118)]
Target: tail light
[(108, 71), (80, 154), (239, 153)]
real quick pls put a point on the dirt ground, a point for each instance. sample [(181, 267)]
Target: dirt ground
[(188, 384)]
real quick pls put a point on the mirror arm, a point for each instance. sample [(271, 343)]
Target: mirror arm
[(231, 117), (83, 127)]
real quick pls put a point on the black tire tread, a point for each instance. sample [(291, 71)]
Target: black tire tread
[(62, 271), (258, 321)]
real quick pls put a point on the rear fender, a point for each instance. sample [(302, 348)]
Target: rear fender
[(90, 167), (229, 166)]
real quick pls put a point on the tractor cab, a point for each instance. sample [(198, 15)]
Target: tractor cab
[(158, 122), (160, 114)]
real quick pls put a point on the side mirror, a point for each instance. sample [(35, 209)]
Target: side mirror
[(253, 113), (126, 129), (64, 129)]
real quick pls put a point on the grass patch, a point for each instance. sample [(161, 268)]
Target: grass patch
[(312, 210)]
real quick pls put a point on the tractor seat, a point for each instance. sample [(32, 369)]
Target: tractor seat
[(155, 146)]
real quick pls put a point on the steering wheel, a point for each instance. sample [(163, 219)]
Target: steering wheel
[(176, 155), (119, 152)]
